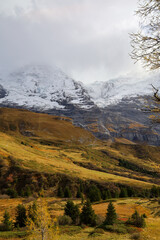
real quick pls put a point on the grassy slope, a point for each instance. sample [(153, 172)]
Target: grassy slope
[(45, 143)]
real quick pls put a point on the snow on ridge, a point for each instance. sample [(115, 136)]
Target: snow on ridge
[(44, 87), (114, 90), (47, 87)]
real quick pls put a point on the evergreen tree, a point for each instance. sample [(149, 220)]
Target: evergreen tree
[(109, 194), (8, 224), (123, 193), (88, 216), (21, 216), (155, 191), (27, 192), (116, 194), (94, 194), (104, 195), (81, 187), (72, 211), (67, 193), (137, 220), (111, 215), (131, 192), (82, 198), (147, 193), (60, 192), (79, 194)]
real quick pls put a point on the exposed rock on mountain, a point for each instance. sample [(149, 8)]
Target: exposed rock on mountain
[(110, 110)]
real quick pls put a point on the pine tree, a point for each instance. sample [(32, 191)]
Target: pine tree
[(111, 215), (104, 195), (8, 224), (21, 216), (27, 192), (79, 194), (116, 194), (94, 194), (81, 187), (82, 198), (155, 191), (72, 211), (123, 193), (67, 193), (109, 194), (137, 220), (60, 192), (88, 216)]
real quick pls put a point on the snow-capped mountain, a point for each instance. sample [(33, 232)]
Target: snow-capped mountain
[(42, 87), (109, 109), (113, 91)]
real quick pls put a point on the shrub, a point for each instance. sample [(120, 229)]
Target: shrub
[(12, 193), (64, 220), (116, 228), (97, 232), (99, 220), (135, 236), (2, 227), (4, 196)]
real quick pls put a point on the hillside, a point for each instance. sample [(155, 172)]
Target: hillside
[(41, 150)]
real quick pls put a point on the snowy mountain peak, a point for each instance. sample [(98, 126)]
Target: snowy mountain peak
[(44, 87)]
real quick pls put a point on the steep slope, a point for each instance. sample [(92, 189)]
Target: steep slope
[(41, 88), (32, 143)]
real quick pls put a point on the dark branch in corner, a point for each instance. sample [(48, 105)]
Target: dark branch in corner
[(156, 96)]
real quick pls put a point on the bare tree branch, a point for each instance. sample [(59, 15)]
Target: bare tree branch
[(146, 43)]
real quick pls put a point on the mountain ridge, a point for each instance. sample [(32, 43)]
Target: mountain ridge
[(111, 110)]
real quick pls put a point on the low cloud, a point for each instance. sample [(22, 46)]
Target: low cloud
[(88, 39)]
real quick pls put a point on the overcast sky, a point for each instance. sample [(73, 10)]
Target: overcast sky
[(88, 39)]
